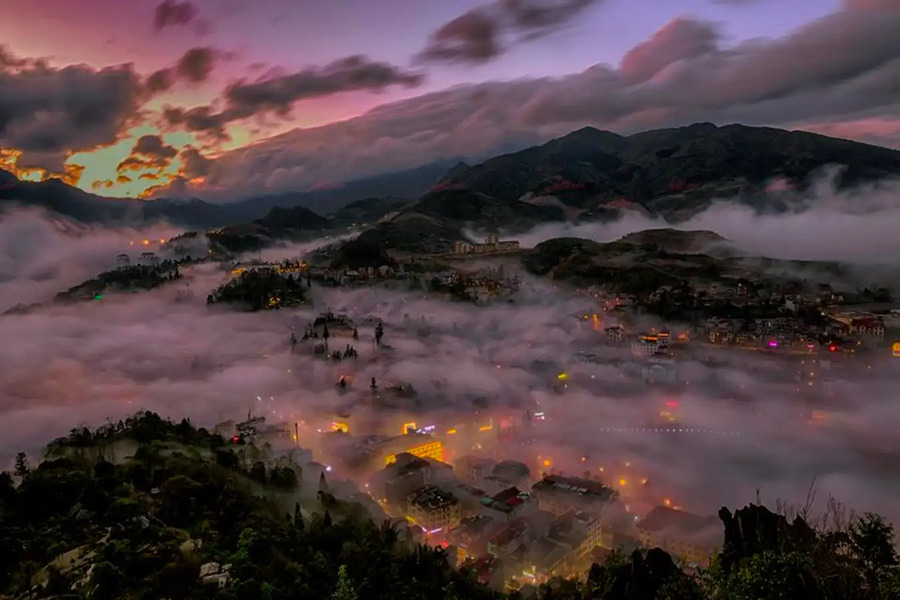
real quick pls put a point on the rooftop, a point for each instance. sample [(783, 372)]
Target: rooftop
[(432, 498), (576, 486)]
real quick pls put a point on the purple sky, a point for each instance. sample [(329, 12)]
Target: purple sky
[(268, 67)]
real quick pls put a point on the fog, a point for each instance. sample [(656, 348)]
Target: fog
[(85, 363), (857, 226)]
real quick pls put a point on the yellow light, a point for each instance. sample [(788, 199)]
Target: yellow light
[(895, 349), (339, 426), (563, 376), (547, 462), (583, 458), (667, 502), (451, 431), (622, 482), (162, 241), (485, 428), (146, 242), (408, 426)]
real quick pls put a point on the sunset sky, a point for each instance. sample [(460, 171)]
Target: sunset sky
[(224, 98)]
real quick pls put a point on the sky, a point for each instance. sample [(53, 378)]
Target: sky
[(222, 99)]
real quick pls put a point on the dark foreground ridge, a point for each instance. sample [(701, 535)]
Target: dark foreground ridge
[(146, 508)]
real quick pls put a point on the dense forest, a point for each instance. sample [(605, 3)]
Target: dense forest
[(150, 509), (263, 289)]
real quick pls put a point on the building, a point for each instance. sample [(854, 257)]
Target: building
[(578, 532), (492, 245), (472, 534), (123, 260), (558, 494), (433, 509), (647, 345), (401, 478), (508, 505), (473, 469), (687, 537), (659, 372), (149, 258), (507, 474), (615, 334)]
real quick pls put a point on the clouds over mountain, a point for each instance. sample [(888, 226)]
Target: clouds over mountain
[(844, 67), (485, 33), (46, 112)]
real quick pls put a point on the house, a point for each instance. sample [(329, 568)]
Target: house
[(473, 469), (434, 509), (214, 574), (615, 334), (558, 494), (507, 505), (578, 532), (507, 474), (492, 244), (687, 537)]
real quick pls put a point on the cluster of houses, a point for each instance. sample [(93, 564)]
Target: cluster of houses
[(493, 519), (492, 245)]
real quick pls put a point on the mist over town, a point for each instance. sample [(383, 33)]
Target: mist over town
[(518, 305)]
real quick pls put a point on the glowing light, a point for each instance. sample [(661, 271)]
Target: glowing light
[(162, 241), (773, 344), (667, 503), (644, 481), (547, 462), (623, 482), (832, 348), (408, 426), (340, 426), (451, 431), (563, 377), (672, 403), (895, 349), (145, 242)]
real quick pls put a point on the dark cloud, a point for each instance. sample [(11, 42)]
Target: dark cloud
[(159, 81), (472, 37), (171, 12), (277, 94), (193, 163), (680, 39), (196, 64), (478, 35), (843, 67), (47, 112), (149, 152)]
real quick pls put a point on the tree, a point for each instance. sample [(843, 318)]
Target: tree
[(344, 589), (21, 468)]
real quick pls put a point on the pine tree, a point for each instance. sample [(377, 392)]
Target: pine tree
[(344, 589), (21, 468)]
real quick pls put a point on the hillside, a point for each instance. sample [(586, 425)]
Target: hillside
[(671, 172), (147, 508), (642, 262), (592, 175)]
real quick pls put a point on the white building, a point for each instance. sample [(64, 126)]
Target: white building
[(646, 345)]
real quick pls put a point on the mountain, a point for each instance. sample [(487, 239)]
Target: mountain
[(61, 199), (439, 218), (671, 172), (593, 175), (367, 210)]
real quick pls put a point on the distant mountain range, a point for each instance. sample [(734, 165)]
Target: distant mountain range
[(584, 176), (63, 200)]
